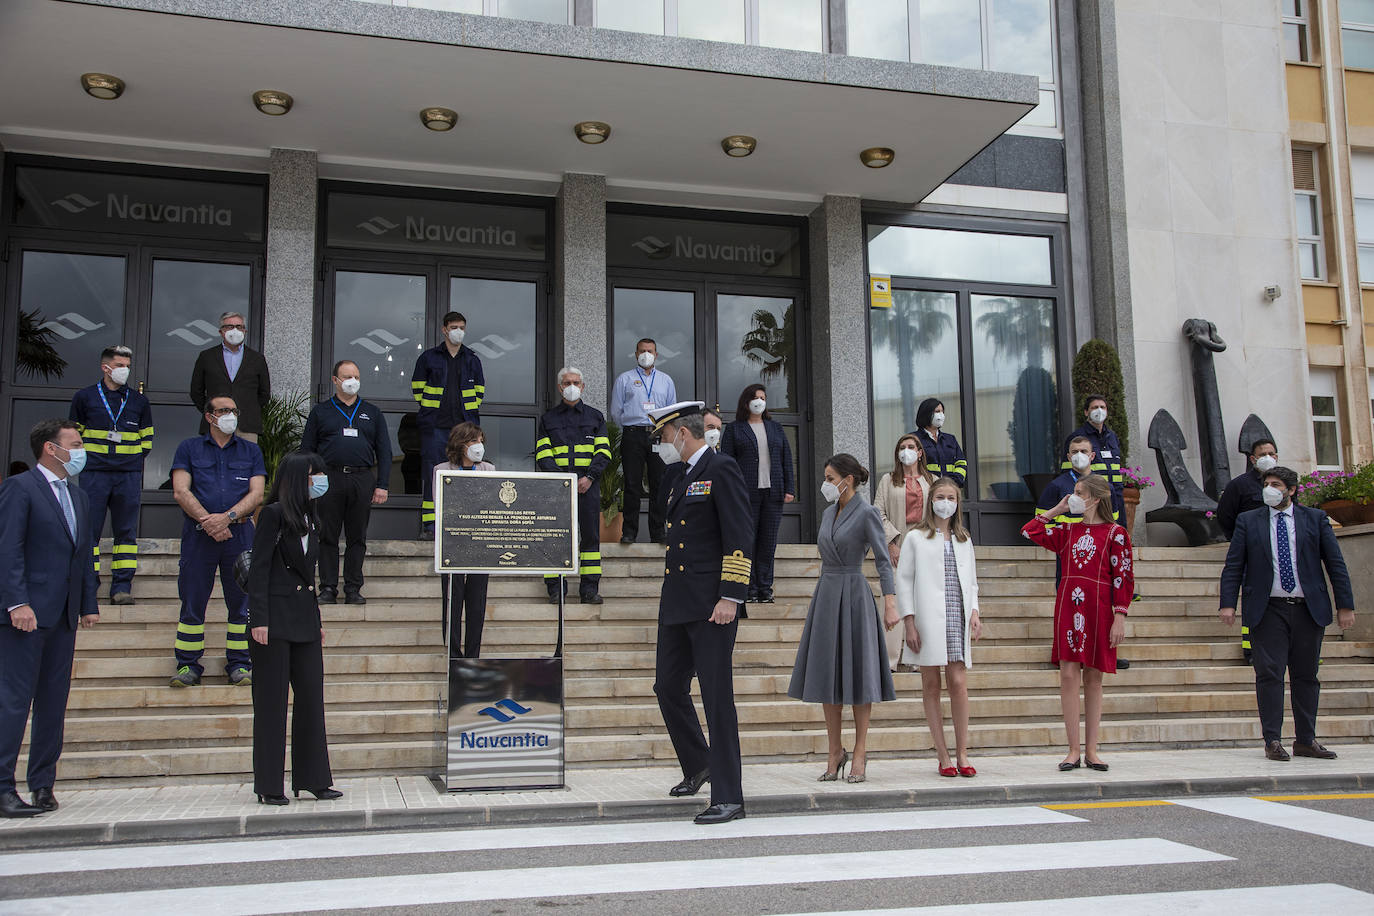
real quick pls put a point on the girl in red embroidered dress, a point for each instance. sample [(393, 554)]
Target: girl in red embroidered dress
[(1090, 608)]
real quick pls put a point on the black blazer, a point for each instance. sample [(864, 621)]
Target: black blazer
[(710, 537), (281, 582), (738, 441), (250, 389), (1249, 568), (43, 566)]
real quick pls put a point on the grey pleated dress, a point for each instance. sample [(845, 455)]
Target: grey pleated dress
[(843, 657)]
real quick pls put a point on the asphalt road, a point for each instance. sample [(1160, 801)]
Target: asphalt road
[(1247, 855)]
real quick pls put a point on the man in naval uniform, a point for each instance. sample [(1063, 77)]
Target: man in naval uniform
[(706, 577)]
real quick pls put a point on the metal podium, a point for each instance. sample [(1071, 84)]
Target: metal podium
[(505, 715)]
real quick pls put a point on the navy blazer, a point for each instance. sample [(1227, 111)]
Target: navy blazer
[(1249, 566), (738, 441), (43, 566), (710, 538)]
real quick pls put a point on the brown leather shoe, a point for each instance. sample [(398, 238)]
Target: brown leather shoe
[(1274, 751), (1312, 750)]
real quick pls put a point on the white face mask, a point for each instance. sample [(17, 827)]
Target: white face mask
[(572, 393), (456, 335), (1080, 461), (908, 456), (646, 359), (713, 438), (476, 452), (120, 375), (227, 423), (233, 337), (1077, 504), (937, 419), (944, 508), (1266, 463), (758, 406), (350, 386), (1098, 415), (669, 452), (1273, 497), (830, 491)]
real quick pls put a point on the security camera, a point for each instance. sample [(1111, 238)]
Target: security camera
[(1273, 292)]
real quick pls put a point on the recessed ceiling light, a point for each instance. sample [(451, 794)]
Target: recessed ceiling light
[(272, 102), (439, 119), (102, 85), (592, 131), (877, 157), (738, 146)]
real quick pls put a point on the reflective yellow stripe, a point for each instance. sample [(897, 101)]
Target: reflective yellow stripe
[(236, 644), (426, 402), (582, 462), (97, 448), (123, 548), (189, 646), (427, 510), (238, 628), (583, 448), (191, 629), (136, 449), (120, 564), (481, 389), (435, 390), (468, 392)]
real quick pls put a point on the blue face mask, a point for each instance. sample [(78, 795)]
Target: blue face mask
[(76, 460), (319, 485)]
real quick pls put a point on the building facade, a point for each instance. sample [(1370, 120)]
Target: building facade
[(1047, 172)]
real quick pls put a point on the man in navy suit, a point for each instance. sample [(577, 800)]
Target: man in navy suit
[(1275, 564), (47, 590)]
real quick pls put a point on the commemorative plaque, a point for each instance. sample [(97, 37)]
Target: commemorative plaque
[(505, 715)]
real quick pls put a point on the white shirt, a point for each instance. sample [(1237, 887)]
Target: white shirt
[(765, 460), (1276, 590)]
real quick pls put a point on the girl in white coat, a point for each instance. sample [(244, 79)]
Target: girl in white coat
[(937, 595)]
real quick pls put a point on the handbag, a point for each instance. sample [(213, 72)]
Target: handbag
[(243, 563)]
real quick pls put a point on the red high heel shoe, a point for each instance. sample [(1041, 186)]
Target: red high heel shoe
[(947, 771), (967, 771)]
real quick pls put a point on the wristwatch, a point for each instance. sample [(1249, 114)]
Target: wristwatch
[(233, 516)]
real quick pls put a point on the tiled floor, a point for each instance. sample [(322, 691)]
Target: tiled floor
[(789, 780)]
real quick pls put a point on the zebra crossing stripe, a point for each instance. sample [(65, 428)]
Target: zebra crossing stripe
[(476, 839), (621, 878), (1290, 817), (1282, 899)]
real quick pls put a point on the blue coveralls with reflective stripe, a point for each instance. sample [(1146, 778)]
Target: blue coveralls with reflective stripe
[(117, 432), (449, 390), (220, 478), (944, 456), (573, 438)]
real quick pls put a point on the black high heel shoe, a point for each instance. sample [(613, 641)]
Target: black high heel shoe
[(273, 800), (322, 794), (1065, 766)]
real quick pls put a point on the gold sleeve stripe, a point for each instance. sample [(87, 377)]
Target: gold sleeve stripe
[(730, 577)]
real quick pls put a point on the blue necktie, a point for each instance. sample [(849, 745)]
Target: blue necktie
[(65, 498), (1286, 577)]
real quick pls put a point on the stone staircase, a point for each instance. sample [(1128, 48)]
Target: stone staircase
[(385, 671)]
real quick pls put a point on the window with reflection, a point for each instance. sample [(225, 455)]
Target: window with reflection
[(173, 424), (501, 331), (756, 344), (952, 254), (379, 322), (71, 307), (667, 316), (796, 24), (24, 415), (188, 298), (1014, 393), (915, 354)]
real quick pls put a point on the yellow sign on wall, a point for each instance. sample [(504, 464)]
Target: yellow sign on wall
[(880, 292)]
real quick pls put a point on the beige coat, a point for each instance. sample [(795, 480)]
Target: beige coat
[(891, 503), (921, 594)]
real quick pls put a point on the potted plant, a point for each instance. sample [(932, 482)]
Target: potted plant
[(1133, 481), (1346, 496), (612, 491), (283, 421), (1097, 370)]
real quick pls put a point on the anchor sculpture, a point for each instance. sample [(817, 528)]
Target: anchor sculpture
[(1193, 507)]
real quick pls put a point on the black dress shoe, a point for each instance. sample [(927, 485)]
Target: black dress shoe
[(627, 540), (1312, 750), (765, 596), (591, 598), (43, 798), (1122, 664), (1274, 751), (329, 596), (354, 598), (11, 805), (322, 794), (720, 814), (690, 785)]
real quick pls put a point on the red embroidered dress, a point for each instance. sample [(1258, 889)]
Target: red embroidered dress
[(1098, 581)]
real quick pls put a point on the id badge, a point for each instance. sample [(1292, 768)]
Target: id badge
[(654, 448), (114, 437), (1106, 453), (350, 432), (648, 406)]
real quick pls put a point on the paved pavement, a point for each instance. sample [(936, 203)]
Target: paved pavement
[(151, 814)]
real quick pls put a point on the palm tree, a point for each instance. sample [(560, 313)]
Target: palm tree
[(1021, 328), (771, 345), (34, 351), (916, 323)]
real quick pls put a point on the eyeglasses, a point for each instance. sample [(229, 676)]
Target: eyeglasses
[(225, 411), (232, 327)]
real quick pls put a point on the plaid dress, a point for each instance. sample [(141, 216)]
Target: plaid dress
[(954, 607)]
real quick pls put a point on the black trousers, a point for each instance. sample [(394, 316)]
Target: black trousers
[(1287, 638), (35, 674), (637, 454), (299, 666), (346, 506), (705, 649), (465, 606)]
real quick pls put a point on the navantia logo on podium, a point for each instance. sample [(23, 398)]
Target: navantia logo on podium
[(502, 711)]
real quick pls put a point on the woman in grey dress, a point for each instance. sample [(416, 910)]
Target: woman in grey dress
[(842, 660)]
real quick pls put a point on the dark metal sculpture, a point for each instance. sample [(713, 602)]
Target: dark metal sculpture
[(1187, 505), (1211, 431), (1251, 431)]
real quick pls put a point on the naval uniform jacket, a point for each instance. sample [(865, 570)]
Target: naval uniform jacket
[(709, 535)]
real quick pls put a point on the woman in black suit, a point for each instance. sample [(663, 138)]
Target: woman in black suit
[(288, 638), (760, 447)]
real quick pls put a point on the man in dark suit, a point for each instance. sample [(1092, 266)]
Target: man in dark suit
[(47, 590), (1275, 564), (705, 581), (233, 370)]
